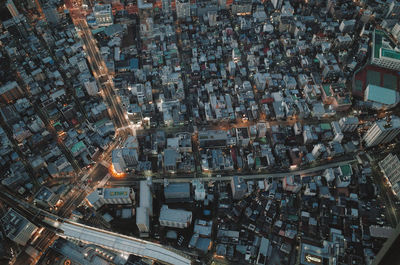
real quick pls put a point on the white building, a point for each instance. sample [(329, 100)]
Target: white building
[(145, 210), (166, 6), (384, 52), (174, 218), (396, 31), (124, 159), (102, 196), (337, 131), (91, 87), (390, 167), (343, 176), (182, 8), (348, 124), (103, 15), (17, 228), (329, 175), (12, 8), (199, 190), (143, 220), (318, 150), (347, 25), (382, 131)]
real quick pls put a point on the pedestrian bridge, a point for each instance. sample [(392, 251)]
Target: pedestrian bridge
[(121, 243)]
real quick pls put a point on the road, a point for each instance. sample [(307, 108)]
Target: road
[(122, 182), (101, 74)]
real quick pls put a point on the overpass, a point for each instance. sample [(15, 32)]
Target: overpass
[(103, 238), (120, 243)]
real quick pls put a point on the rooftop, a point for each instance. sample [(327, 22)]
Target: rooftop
[(381, 95), (175, 215), (383, 46)]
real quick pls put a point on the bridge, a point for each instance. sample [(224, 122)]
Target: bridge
[(90, 235), (120, 243)]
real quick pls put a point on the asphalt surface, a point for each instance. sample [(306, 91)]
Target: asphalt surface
[(123, 182)]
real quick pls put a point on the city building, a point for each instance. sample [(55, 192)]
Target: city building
[(239, 188), (182, 8), (12, 8), (46, 198), (382, 131), (384, 52), (292, 183), (343, 176), (347, 25), (103, 15), (102, 196), (396, 31), (337, 131), (143, 221), (213, 139), (10, 92), (177, 192), (124, 159), (199, 190), (174, 218), (51, 13), (393, 9), (390, 167), (348, 124), (381, 97), (17, 228), (145, 209), (91, 88)]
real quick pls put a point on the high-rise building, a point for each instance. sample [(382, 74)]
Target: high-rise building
[(396, 31), (390, 167), (393, 9), (12, 8), (182, 8), (347, 25), (239, 188), (337, 131), (103, 15), (91, 87), (384, 53), (277, 3), (124, 159), (382, 131), (166, 6), (17, 228), (348, 124)]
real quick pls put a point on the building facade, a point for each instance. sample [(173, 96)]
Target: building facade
[(384, 53), (12, 8), (382, 131), (103, 15), (239, 188), (175, 218), (390, 167), (182, 8), (348, 124), (102, 196), (17, 228)]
